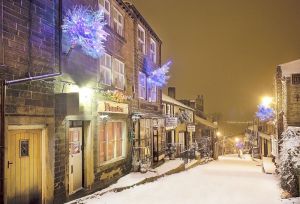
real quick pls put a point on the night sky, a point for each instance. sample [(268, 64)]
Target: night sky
[(225, 50)]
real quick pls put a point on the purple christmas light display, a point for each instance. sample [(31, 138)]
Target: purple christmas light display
[(159, 76), (265, 113), (84, 27)]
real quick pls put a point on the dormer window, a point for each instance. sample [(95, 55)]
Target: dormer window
[(141, 39)]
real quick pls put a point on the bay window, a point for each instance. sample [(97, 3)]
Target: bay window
[(111, 141), (142, 85), (105, 69), (118, 74)]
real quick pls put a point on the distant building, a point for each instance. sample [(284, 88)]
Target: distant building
[(197, 104)]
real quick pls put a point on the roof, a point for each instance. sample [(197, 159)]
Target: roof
[(290, 68), (171, 100), (205, 122), (139, 16)]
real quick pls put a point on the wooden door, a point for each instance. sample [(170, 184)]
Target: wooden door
[(75, 160), (24, 166)]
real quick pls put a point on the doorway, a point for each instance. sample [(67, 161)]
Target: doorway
[(24, 166), (75, 159)]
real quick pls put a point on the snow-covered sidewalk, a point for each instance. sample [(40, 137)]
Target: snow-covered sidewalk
[(135, 178), (230, 180)]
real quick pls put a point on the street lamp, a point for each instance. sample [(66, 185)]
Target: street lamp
[(219, 134), (267, 101)]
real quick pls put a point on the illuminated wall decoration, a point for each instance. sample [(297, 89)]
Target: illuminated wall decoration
[(159, 77), (85, 28), (265, 113)]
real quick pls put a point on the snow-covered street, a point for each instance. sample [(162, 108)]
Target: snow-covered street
[(229, 180)]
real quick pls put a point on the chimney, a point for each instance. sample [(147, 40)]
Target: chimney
[(172, 92)]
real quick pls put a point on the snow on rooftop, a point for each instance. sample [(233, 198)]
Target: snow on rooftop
[(171, 100), (290, 68)]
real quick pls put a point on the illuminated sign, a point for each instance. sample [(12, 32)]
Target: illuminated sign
[(112, 107)]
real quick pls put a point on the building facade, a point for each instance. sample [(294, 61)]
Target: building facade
[(73, 119), (179, 125), (287, 94), (149, 128), (29, 51)]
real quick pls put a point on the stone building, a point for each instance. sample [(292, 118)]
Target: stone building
[(180, 126), (149, 132), (287, 92), (29, 51), (205, 130), (92, 147)]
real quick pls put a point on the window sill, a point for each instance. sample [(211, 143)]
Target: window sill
[(111, 162)]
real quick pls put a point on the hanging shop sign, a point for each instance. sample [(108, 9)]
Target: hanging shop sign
[(171, 122), (191, 128), (112, 107)]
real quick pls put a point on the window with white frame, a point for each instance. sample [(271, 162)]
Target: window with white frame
[(106, 8), (118, 23), (153, 50), (152, 94), (142, 85), (141, 39), (118, 74), (111, 140), (105, 69)]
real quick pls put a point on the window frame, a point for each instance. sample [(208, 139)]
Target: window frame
[(153, 53), (107, 69), (120, 25), (151, 93), (115, 140), (144, 95), (143, 42), (118, 73), (106, 12)]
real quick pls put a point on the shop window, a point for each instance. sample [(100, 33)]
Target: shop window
[(142, 85), (152, 94), (145, 137), (105, 69), (118, 74), (118, 23), (141, 39), (153, 50), (111, 141)]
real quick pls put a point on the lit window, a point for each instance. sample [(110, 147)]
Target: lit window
[(118, 74), (141, 39), (153, 50), (152, 92), (105, 69), (142, 85), (118, 22), (111, 141), (106, 8)]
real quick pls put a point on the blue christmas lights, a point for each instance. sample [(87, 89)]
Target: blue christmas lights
[(265, 113), (85, 28), (159, 76)]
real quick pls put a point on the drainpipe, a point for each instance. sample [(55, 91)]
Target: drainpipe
[(4, 85)]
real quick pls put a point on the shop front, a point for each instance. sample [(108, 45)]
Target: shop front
[(148, 141)]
